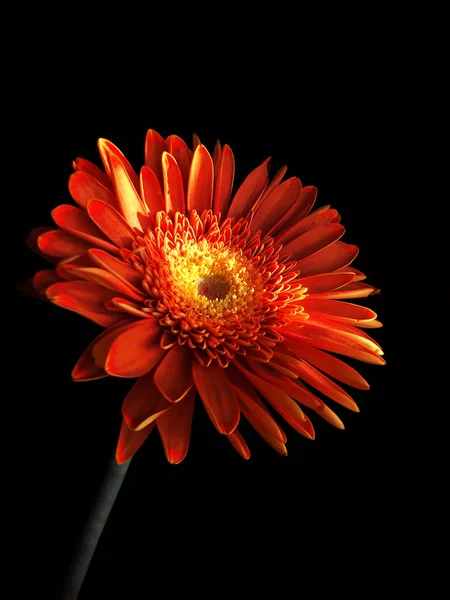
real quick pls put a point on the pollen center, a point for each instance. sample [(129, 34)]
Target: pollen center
[(212, 288)]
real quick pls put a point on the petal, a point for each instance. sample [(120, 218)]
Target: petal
[(83, 187), (118, 268), (217, 153), (81, 164), (174, 427), (288, 409), (107, 151), (135, 351), (76, 221), (144, 403), (127, 306), (129, 201), (60, 243), (324, 283), (42, 280), (173, 375), (223, 181), (181, 153), (350, 290), (314, 241), (201, 178), (32, 242), (293, 229), (173, 185), (342, 310), (195, 141), (84, 298), (302, 206), (151, 190), (274, 182), (249, 191), (329, 259), (238, 442), (89, 367), (111, 223), (359, 275), (130, 441), (328, 364), (154, 148), (343, 333), (105, 279), (217, 396), (274, 206)]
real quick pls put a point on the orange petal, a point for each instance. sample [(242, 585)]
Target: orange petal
[(293, 230), (181, 153), (324, 283), (84, 298), (127, 306), (42, 280), (223, 180), (130, 441), (288, 409), (314, 241), (111, 223), (129, 200), (135, 351), (173, 185), (359, 275), (346, 311), (105, 279), (329, 364), (32, 242), (329, 259), (274, 182), (344, 333), (239, 444), (200, 188), (76, 221), (195, 141), (173, 375), (107, 151), (81, 164), (118, 268), (217, 153), (305, 201), (151, 190), (350, 290), (217, 396), (154, 148), (144, 403), (174, 427), (249, 191), (60, 243), (90, 364), (274, 206), (83, 187)]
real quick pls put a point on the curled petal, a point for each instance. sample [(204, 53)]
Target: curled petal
[(239, 444)]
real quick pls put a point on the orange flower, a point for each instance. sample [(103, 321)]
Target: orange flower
[(237, 298)]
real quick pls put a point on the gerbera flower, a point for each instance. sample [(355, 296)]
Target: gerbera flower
[(237, 298)]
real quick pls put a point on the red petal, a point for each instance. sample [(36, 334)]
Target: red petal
[(135, 351), (324, 283), (81, 164), (111, 222), (359, 275), (151, 190), (154, 148), (274, 206), (130, 441), (84, 298), (217, 153), (144, 403), (107, 151), (274, 182), (174, 427), (314, 241), (238, 442), (181, 153), (250, 191), (118, 268), (195, 141), (329, 259), (42, 280), (217, 396), (173, 185), (173, 375), (200, 188), (83, 187), (223, 181), (350, 290), (105, 279), (76, 221), (302, 206), (61, 244), (32, 242), (341, 310), (343, 333), (126, 305), (129, 200)]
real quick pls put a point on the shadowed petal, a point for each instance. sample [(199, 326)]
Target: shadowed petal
[(223, 181), (326, 282), (274, 182), (118, 268), (173, 185), (130, 441), (61, 244), (111, 222), (341, 310), (314, 241), (305, 201), (105, 279), (174, 427), (107, 151), (154, 148), (181, 153), (274, 206), (200, 188), (144, 403), (173, 375), (83, 187), (350, 290), (217, 396), (329, 259), (129, 200), (239, 444), (81, 164), (151, 190), (250, 191)]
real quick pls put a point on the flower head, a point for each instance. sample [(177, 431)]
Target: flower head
[(238, 298)]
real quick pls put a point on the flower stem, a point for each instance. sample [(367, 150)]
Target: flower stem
[(93, 529)]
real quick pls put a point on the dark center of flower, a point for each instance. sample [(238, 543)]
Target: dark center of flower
[(212, 288)]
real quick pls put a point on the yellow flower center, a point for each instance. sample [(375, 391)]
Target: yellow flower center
[(212, 278)]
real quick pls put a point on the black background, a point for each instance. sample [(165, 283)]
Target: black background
[(215, 522)]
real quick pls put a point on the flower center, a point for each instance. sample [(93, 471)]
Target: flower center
[(212, 288)]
